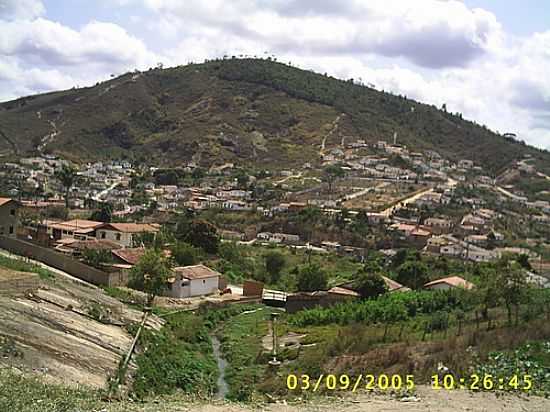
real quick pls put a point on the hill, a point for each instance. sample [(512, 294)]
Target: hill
[(246, 111)]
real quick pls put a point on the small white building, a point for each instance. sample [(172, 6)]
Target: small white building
[(197, 280)]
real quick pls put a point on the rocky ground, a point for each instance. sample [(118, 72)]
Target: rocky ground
[(64, 331)]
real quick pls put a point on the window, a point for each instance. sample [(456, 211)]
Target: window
[(1, 230), (118, 236), (12, 212), (102, 235), (11, 230), (203, 281)]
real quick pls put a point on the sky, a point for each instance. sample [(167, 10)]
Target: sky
[(487, 59)]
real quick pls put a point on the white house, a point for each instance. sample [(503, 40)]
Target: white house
[(125, 233), (197, 280)]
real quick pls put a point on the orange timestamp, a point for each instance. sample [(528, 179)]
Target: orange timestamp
[(484, 382), (333, 382)]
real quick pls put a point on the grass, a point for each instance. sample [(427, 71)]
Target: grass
[(22, 266), (241, 345), (25, 394), (178, 358)]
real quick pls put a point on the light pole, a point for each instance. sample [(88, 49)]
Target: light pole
[(274, 361)]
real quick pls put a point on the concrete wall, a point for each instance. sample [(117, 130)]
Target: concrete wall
[(206, 286), (8, 221), (61, 262)]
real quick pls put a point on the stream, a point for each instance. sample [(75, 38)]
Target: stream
[(223, 389)]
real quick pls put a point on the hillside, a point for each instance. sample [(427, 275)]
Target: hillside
[(246, 111)]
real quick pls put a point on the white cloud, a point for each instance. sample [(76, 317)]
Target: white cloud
[(421, 30), (20, 9), (42, 41)]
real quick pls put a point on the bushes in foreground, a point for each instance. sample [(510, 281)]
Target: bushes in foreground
[(374, 310)]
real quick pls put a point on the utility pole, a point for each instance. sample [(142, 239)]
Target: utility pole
[(274, 361)]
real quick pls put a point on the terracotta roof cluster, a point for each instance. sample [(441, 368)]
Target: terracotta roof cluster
[(196, 272)]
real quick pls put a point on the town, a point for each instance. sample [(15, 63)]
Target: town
[(244, 234)]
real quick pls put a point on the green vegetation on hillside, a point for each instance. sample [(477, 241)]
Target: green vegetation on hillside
[(249, 111)]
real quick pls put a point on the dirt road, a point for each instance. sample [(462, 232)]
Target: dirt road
[(426, 400)]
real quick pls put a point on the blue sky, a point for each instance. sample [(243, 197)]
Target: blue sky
[(487, 59)]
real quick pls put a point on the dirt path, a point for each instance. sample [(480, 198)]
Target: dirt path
[(426, 400), (334, 127)]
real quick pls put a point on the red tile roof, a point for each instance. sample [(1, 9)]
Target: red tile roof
[(393, 285), (129, 255), (4, 200), (454, 281), (343, 291), (196, 272), (95, 244), (131, 227)]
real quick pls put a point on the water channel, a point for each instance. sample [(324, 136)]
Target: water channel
[(223, 388)]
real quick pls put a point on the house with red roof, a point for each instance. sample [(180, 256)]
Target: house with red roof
[(451, 282)]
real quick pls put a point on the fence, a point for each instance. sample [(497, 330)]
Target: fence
[(274, 298), (61, 262)]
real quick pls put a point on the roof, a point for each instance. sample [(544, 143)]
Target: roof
[(393, 285), (196, 272), (131, 227), (129, 255), (343, 291), (94, 244), (76, 225), (454, 281), (5, 200)]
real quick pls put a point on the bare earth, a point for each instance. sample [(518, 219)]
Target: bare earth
[(427, 399)]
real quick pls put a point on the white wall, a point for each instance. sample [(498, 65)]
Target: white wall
[(195, 287), (125, 238)]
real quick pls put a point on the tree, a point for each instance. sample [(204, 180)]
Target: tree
[(96, 257), (204, 235), (104, 213), (392, 314), (185, 254), (523, 260), (311, 278), (413, 274), (67, 177), (274, 264), (151, 274), (331, 173), (513, 288), (369, 284)]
